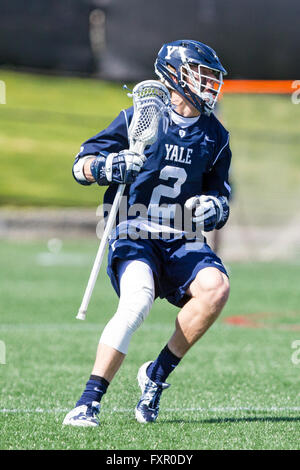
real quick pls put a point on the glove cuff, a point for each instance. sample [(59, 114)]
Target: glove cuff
[(220, 207), (108, 166), (98, 170), (225, 212)]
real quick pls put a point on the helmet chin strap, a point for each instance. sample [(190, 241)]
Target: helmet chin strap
[(197, 101)]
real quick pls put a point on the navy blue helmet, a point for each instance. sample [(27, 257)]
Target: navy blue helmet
[(194, 70)]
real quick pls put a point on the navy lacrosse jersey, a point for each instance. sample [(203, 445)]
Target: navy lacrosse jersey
[(183, 162)]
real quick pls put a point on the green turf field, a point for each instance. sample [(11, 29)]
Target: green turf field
[(236, 389), (46, 119)]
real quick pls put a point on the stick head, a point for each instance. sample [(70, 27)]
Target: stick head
[(152, 102)]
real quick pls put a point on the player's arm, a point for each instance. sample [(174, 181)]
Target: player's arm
[(102, 159), (211, 209)]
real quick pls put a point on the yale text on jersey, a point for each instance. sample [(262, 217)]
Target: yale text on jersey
[(178, 154)]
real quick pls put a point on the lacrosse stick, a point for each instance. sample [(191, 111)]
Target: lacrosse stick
[(151, 102)]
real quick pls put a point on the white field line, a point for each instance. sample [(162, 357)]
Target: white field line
[(271, 409), (77, 325)]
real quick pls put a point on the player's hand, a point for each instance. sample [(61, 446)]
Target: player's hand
[(206, 211), (123, 167)]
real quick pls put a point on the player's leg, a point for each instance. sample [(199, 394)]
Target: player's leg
[(108, 361), (208, 293), (136, 298)]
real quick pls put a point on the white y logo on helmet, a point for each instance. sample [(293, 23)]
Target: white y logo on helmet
[(181, 49), (171, 49)]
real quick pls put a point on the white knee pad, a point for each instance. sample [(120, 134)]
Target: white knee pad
[(136, 298)]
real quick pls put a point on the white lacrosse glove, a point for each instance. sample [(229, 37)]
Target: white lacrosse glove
[(122, 167), (207, 211)]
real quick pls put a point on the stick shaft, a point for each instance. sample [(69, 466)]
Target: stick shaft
[(137, 146), (100, 254)]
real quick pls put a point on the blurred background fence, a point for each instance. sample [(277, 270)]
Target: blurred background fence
[(118, 39), (62, 64)]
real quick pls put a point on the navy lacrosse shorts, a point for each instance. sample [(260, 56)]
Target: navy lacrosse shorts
[(175, 263)]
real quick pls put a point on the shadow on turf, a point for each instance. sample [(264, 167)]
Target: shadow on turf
[(273, 419)]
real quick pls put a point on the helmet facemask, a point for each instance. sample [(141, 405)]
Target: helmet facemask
[(197, 84)]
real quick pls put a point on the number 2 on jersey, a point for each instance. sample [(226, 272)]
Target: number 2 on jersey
[(167, 191)]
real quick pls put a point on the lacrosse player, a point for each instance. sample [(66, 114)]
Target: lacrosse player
[(185, 170)]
